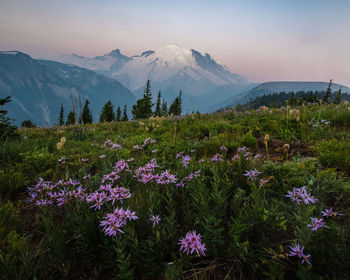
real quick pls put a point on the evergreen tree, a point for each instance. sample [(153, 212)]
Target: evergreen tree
[(328, 92), (119, 114), (337, 99), (125, 115), (147, 105), (28, 124), (143, 107), (86, 116), (7, 130), (176, 107), (164, 111), (137, 109), (179, 106), (70, 118), (60, 120), (158, 112), (107, 114)]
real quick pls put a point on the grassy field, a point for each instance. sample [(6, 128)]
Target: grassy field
[(122, 200)]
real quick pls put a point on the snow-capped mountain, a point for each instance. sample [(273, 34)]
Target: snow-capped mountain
[(169, 67)]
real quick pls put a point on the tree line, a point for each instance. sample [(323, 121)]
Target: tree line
[(143, 109), (280, 99)]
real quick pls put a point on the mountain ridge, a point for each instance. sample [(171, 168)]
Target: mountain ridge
[(39, 87)]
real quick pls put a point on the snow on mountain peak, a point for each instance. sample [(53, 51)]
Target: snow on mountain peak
[(164, 66)]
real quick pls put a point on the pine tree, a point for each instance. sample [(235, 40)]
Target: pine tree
[(86, 116), (70, 118), (179, 106), (28, 124), (107, 114), (137, 109), (176, 107), (337, 99), (147, 104), (143, 107), (328, 92), (164, 109), (7, 129), (119, 113), (125, 115), (60, 120), (158, 112)]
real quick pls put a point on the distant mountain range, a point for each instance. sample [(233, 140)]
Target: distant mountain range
[(170, 69), (39, 87)]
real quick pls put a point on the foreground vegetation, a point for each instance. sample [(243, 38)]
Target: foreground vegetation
[(116, 200)]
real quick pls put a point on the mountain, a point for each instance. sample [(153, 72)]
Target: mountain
[(170, 68), (39, 87), (276, 87)]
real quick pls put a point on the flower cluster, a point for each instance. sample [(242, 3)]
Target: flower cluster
[(216, 158), (114, 221), (189, 178), (109, 143), (192, 243), (145, 143), (300, 194), (316, 224), (299, 252)]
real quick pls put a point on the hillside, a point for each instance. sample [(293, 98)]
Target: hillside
[(39, 87), (276, 87)]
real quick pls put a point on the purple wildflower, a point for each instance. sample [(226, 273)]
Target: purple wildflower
[(252, 174), (316, 224), (192, 243), (330, 213), (297, 251), (186, 160), (155, 219)]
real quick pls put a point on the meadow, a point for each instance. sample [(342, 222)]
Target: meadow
[(258, 194)]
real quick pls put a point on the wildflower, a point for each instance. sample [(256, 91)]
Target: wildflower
[(297, 251), (223, 148), (192, 151), (263, 182), (59, 146), (192, 243), (235, 157), (316, 224), (216, 158), (242, 150), (154, 151), (62, 160), (179, 154), (84, 159), (102, 156), (186, 160), (330, 213), (301, 194), (63, 140), (201, 160), (252, 174), (155, 219)]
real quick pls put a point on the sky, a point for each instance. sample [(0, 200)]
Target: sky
[(262, 40)]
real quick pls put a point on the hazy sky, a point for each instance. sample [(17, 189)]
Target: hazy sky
[(262, 40)]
